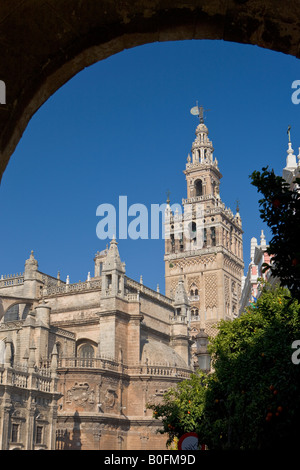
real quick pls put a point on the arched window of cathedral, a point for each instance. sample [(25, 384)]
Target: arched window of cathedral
[(17, 312), (12, 313), (198, 188), (86, 353)]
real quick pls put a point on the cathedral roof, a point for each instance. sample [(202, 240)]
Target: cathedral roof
[(157, 353)]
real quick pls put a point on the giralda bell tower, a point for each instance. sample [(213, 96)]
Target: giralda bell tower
[(204, 246)]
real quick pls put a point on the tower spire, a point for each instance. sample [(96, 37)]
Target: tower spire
[(202, 148)]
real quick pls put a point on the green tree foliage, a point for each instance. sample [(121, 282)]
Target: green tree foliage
[(182, 407), (280, 209), (251, 399)]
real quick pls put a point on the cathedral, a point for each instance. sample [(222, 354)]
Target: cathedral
[(80, 362)]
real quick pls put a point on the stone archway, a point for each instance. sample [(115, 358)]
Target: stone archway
[(45, 43)]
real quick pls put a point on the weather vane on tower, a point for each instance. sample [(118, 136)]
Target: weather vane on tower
[(199, 111), (289, 133)]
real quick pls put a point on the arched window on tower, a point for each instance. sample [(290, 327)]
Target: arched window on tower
[(172, 243), (194, 314), (192, 227), (198, 188), (204, 238), (213, 236), (194, 293)]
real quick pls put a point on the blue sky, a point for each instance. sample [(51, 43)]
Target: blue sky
[(123, 127)]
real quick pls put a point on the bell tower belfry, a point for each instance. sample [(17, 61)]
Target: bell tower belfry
[(204, 243)]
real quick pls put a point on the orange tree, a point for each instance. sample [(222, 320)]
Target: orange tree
[(280, 209), (251, 399), (182, 407)]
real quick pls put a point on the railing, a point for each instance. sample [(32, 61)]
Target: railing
[(71, 288), (204, 197), (193, 298), (27, 378), (53, 290), (91, 363), (112, 365), (133, 297), (11, 280), (178, 318), (19, 379), (146, 290), (159, 370), (195, 317)]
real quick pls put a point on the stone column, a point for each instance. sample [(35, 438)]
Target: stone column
[(42, 330), (29, 424), (5, 422)]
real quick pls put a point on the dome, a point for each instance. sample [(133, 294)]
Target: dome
[(201, 128), (157, 353)]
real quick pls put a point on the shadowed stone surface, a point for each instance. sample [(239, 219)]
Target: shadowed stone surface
[(46, 42)]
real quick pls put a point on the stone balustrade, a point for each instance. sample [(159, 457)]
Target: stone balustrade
[(25, 377), (9, 280), (195, 318), (71, 288), (110, 364), (193, 298), (178, 318), (147, 291), (91, 363), (160, 370)]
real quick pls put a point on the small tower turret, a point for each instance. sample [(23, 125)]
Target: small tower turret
[(113, 272), (181, 301), (30, 276), (288, 172)]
